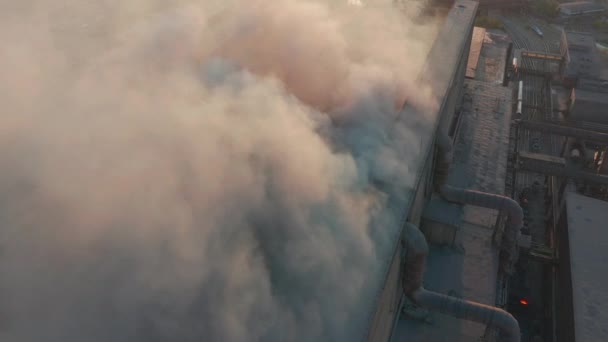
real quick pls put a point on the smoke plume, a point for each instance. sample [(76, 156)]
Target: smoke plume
[(212, 170)]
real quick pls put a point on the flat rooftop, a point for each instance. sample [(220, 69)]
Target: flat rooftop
[(584, 58), (589, 106), (469, 268), (588, 239), (597, 85), (578, 40)]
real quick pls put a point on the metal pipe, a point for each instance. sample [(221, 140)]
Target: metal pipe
[(416, 252), (554, 166), (519, 108), (520, 92), (514, 212), (481, 199), (564, 130)]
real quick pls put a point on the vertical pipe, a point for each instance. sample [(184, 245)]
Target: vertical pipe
[(520, 91), (481, 199), (492, 201), (519, 108)]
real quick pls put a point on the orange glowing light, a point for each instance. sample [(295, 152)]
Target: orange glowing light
[(523, 302)]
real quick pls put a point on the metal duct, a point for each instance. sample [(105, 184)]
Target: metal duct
[(416, 252), (481, 199)]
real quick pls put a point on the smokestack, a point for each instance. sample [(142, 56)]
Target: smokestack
[(416, 252)]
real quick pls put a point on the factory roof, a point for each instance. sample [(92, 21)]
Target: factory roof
[(580, 40), (469, 268), (593, 96), (583, 56), (590, 106), (439, 73), (580, 7), (588, 240), (597, 85)]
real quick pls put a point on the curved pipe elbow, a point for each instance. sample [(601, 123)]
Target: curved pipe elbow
[(514, 212), (472, 197), (416, 251), (485, 200), (470, 311)]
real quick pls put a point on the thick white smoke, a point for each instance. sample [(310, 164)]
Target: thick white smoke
[(200, 170)]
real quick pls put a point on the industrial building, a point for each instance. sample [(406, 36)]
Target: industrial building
[(581, 285), (589, 106), (587, 94), (470, 225), (461, 236), (470, 238), (580, 8), (581, 57)]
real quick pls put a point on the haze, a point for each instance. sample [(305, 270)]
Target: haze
[(200, 170)]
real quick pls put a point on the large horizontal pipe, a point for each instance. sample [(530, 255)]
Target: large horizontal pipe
[(515, 215), (416, 252), (563, 130), (481, 199)]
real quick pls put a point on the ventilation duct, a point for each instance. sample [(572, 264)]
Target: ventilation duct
[(416, 252)]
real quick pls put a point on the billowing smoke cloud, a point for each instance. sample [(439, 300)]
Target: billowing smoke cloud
[(200, 170)]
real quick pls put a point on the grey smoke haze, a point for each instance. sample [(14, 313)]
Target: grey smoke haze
[(200, 170)]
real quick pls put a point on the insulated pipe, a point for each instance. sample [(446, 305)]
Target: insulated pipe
[(486, 200), (520, 91), (481, 199), (416, 252), (519, 107)]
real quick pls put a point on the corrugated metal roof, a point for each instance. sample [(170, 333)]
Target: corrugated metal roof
[(588, 238)]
